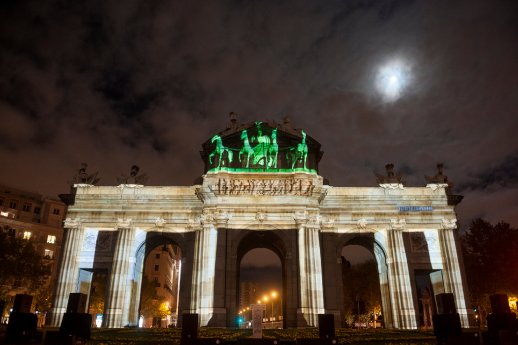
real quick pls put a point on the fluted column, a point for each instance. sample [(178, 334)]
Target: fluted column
[(202, 294), (402, 303), (119, 289), (68, 271), (310, 271), (451, 268)]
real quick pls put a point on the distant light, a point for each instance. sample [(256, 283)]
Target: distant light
[(392, 79)]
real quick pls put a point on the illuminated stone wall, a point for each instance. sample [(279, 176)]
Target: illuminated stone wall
[(309, 223), (261, 188)]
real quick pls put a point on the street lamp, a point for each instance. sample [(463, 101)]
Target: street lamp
[(265, 299), (274, 295)]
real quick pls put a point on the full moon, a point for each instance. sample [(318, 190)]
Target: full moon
[(392, 79)]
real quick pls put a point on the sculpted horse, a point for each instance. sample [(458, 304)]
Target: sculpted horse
[(246, 149), (300, 153), (219, 150)]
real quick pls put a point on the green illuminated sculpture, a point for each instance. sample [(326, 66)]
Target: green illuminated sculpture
[(273, 151), (300, 153), (219, 150), (246, 149), (262, 147), (262, 153)]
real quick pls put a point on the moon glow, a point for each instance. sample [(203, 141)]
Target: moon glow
[(392, 79)]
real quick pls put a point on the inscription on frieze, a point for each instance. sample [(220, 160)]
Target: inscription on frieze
[(269, 187)]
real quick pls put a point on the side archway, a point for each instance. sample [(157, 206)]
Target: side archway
[(148, 242)]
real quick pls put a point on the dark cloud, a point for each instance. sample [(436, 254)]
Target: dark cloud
[(147, 82)]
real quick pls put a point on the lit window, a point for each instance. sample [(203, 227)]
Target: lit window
[(27, 207), (51, 239), (56, 211), (49, 254), (27, 235)]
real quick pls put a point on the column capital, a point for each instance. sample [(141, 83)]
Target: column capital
[(397, 224), (301, 218), (123, 223), (70, 223), (449, 224)]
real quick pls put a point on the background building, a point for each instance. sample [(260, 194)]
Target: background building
[(247, 294), (34, 218), (163, 268)]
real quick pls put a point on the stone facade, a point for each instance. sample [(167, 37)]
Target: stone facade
[(306, 224), (280, 203)]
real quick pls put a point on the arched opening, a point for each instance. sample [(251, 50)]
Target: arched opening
[(365, 284), (261, 279), (159, 267)]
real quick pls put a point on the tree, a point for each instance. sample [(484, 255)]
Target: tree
[(21, 265), (362, 295), (490, 257)]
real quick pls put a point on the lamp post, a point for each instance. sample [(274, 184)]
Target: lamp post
[(265, 299), (273, 295)]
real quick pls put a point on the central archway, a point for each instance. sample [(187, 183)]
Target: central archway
[(262, 239), (260, 281), (238, 243)]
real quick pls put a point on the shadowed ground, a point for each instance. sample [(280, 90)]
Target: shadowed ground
[(344, 336)]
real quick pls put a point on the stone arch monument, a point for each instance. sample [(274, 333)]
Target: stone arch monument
[(261, 188)]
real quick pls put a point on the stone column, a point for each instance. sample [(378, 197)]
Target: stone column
[(403, 310), (451, 268), (204, 267), (68, 271), (119, 288), (310, 271)]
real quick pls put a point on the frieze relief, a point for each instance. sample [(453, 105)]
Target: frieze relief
[(268, 187)]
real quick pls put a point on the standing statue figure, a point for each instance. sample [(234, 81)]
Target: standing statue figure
[(300, 153), (273, 151), (246, 149), (134, 177), (219, 150), (82, 177), (262, 147)]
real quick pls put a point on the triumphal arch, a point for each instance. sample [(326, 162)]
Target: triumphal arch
[(261, 189)]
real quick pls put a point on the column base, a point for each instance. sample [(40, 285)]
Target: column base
[(55, 317)]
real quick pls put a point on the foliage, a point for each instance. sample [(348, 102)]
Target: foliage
[(97, 293), (20, 263), (490, 251), (42, 299), (361, 284)]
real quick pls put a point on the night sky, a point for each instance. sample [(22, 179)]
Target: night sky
[(116, 83)]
